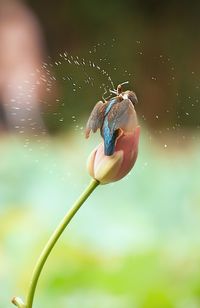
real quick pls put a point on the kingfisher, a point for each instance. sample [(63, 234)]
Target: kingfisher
[(113, 117)]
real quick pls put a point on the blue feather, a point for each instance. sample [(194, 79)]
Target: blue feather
[(109, 139), (108, 135), (111, 103)]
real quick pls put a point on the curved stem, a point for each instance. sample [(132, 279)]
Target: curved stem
[(51, 243)]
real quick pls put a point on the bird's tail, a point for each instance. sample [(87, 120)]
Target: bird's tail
[(109, 145)]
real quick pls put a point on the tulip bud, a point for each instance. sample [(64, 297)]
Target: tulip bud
[(107, 169)]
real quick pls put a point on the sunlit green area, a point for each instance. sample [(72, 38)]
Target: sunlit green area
[(134, 243)]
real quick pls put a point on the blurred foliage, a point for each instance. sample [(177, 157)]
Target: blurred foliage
[(134, 243), (155, 41)]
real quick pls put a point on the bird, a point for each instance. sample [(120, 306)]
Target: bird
[(113, 117)]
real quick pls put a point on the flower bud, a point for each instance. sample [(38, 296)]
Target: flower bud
[(107, 169)]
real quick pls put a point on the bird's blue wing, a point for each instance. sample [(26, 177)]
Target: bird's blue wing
[(121, 115)]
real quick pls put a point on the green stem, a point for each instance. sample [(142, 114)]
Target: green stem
[(51, 243)]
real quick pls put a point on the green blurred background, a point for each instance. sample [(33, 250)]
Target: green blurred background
[(135, 243)]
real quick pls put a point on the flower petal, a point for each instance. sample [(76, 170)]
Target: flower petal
[(112, 168)]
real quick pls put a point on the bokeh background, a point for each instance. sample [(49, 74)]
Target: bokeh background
[(135, 243)]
